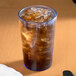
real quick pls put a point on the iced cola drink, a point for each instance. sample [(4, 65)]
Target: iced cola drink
[(37, 32)]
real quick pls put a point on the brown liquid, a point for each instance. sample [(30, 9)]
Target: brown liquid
[(37, 46)]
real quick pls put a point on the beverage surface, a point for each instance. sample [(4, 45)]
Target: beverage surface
[(37, 14)]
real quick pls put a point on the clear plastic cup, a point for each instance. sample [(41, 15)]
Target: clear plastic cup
[(37, 40)]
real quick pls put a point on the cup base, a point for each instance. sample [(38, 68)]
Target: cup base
[(37, 69)]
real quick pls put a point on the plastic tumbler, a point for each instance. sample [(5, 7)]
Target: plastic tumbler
[(37, 32)]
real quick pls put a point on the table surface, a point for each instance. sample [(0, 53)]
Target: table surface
[(64, 55)]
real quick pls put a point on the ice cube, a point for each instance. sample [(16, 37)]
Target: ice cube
[(34, 9), (37, 14), (30, 37)]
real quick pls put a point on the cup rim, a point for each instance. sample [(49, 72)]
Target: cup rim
[(38, 6)]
